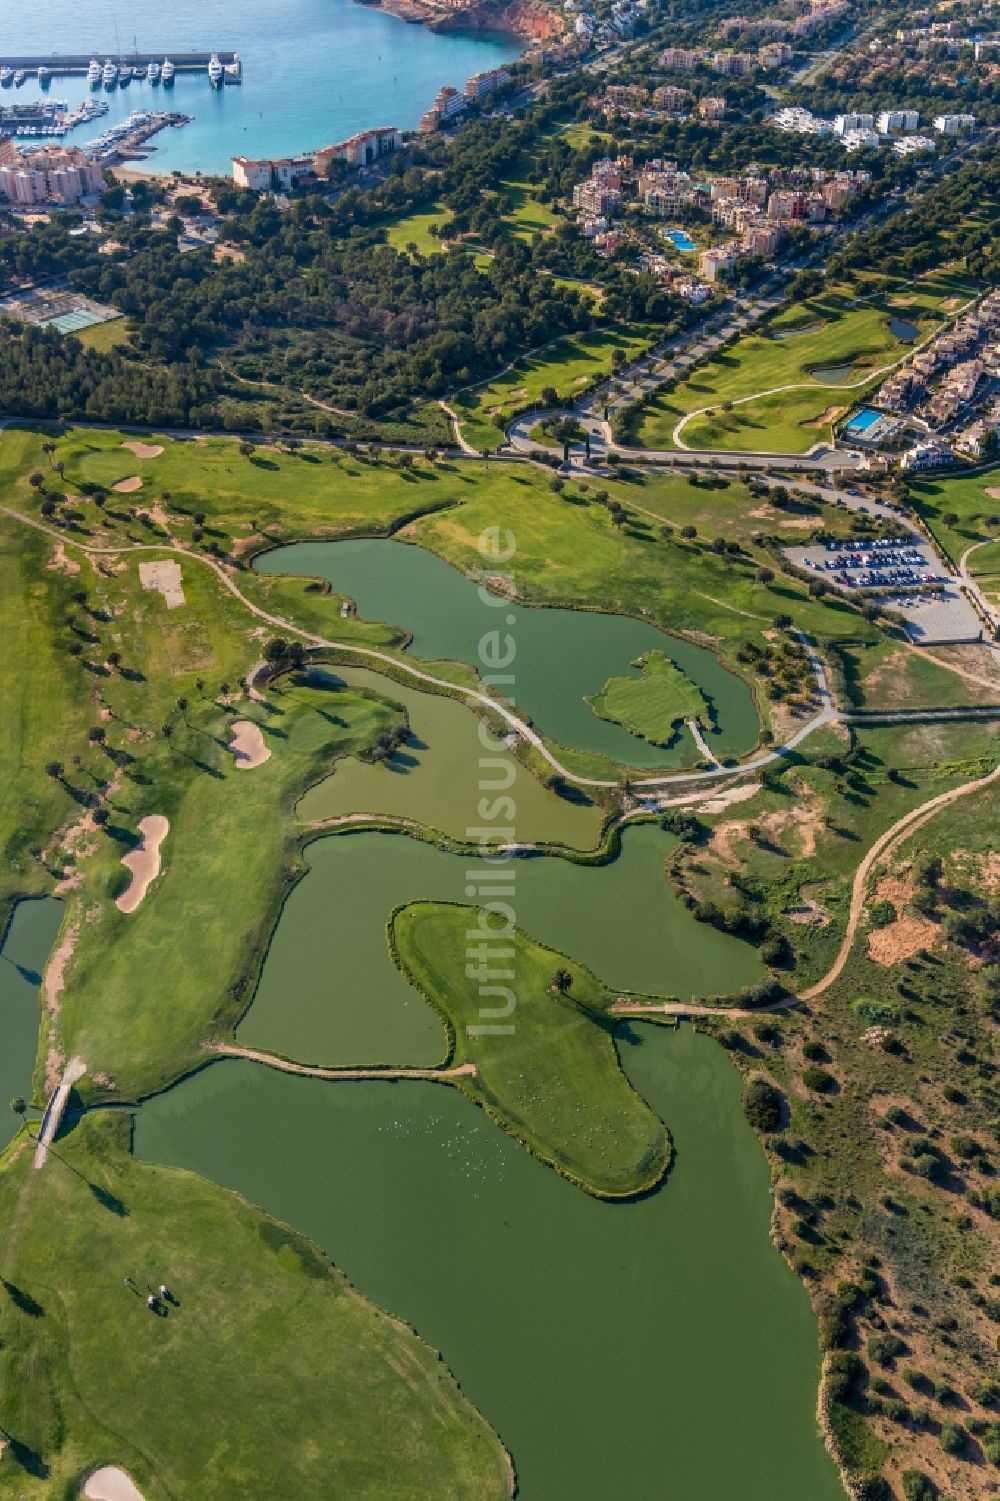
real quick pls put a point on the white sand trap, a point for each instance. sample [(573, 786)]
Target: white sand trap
[(144, 450), (111, 1484), (247, 745), (166, 578), (144, 861), (993, 491), (126, 486)]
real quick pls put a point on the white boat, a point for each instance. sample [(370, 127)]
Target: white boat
[(6, 77), (19, 78), (94, 73), (109, 74), (167, 71), (124, 75), (44, 74), (153, 73), (215, 70)]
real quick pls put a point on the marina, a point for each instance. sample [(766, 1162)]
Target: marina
[(57, 65), (290, 102)]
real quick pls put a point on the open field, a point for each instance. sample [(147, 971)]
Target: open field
[(959, 508), (414, 229), (831, 341), (551, 1076), (302, 1376), (566, 366)]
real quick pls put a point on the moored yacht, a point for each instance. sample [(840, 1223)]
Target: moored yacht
[(109, 74), (124, 75), (94, 73), (6, 77), (44, 74), (167, 71), (215, 70), (153, 73), (19, 78)]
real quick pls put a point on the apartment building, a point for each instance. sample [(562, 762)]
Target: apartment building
[(359, 150), (50, 174)]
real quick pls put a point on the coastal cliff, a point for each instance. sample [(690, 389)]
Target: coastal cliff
[(533, 20)]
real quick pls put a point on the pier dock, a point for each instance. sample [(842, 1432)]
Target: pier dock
[(78, 62)]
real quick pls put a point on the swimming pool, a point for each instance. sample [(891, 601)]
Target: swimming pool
[(680, 239), (862, 421)]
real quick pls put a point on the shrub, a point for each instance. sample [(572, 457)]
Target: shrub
[(953, 1438), (763, 1105), (818, 1080), (918, 1487), (881, 914), (814, 1051), (986, 1392)]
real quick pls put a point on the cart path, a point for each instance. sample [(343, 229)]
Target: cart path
[(828, 714), (316, 1071)]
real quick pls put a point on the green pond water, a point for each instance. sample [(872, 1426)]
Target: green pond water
[(903, 330), (652, 1351), (435, 778), (561, 655), (26, 947), (330, 993), (832, 375)]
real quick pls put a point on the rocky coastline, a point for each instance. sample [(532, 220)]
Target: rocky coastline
[(532, 20)]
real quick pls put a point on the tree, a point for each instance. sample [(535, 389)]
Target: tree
[(763, 1105), (97, 735), (782, 622), (19, 1106), (689, 532), (36, 480), (166, 730), (275, 652), (55, 770), (561, 981)]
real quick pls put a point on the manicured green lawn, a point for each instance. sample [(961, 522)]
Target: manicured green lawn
[(655, 703), (959, 509), (800, 344), (788, 422), (546, 1065), (414, 229), (103, 336), (270, 1376), (568, 366)]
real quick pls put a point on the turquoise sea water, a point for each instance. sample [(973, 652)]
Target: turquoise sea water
[(314, 71)]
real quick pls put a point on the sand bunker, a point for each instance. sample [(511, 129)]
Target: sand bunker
[(165, 577), (143, 862), (247, 745), (111, 1484), (126, 486), (723, 800), (144, 450), (830, 415), (993, 491)]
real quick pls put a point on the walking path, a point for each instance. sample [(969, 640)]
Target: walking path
[(314, 1071), (699, 739), (456, 428), (827, 715), (56, 1108)]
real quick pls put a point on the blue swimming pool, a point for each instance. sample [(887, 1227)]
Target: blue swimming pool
[(680, 239), (862, 421)]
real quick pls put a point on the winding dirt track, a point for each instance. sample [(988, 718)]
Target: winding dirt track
[(883, 847)]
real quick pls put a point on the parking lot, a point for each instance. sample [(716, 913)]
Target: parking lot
[(903, 562), (936, 619), (903, 573)]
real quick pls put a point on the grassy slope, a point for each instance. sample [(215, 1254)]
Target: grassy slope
[(144, 990), (44, 707), (568, 366), (654, 704), (308, 1390), (554, 1080), (846, 335)]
